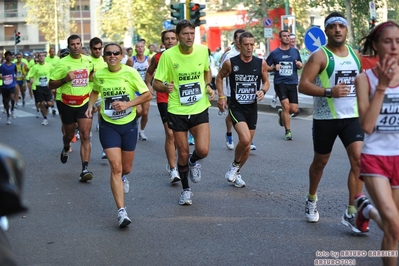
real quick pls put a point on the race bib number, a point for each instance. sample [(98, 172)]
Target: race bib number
[(43, 81), (19, 74), (81, 78), (348, 77), (388, 120), (245, 92), (142, 71), (8, 79), (286, 68), (110, 112), (190, 93)]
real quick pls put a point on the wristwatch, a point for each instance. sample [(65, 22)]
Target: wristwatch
[(328, 93), (264, 92), (63, 81)]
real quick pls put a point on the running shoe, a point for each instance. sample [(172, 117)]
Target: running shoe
[(54, 112), (123, 219), (103, 155), (142, 136), (77, 134), (231, 175), (37, 114), (311, 211), (280, 120), (191, 141), (361, 222), (16, 105), (8, 121), (253, 147), (13, 114), (125, 184), (229, 142), (185, 197), (288, 135), (64, 155), (349, 220), (239, 182), (174, 175), (45, 122), (194, 171), (86, 175)]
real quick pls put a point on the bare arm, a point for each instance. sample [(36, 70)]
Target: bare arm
[(129, 62), (224, 72), (316, 63)]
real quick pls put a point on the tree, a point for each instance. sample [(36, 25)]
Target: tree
[(146, 17), (43, 13)]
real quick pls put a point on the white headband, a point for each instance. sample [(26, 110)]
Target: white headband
[(334, 20)]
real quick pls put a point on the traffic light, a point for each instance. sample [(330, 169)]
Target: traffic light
[(372, 23), (17, 37), (196, 14), (177, 13)]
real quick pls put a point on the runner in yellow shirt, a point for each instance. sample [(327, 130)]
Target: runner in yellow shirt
[(118, 84), (183, 72), (71, 77)]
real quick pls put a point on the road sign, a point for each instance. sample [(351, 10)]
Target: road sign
[(267, 22), (373, 13), (314, 38), (167, 24), (268, 32)]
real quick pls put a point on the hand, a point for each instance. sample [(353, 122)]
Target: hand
[(260, 95), (170, 86), (277, 67), (298, 64), (386, 70), (120, 106), (210, 92), (340, 90), (222, 104), (88, 112)]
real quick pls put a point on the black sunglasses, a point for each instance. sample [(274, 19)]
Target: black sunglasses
[(95, 48), (109, 53)]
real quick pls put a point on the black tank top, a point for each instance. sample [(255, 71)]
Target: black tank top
[(245, 81)]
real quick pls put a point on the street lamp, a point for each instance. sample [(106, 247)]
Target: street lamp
[(287, 7)]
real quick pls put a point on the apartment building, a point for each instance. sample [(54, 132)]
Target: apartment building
[(13, 16)]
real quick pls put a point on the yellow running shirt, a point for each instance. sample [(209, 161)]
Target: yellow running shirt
[(118, 86), (187, 73), (74, 93), (41, 74)]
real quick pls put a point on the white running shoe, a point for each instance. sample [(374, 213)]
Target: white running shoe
[(38, 114), (194, 171), (142, 136), (239, 182), (125, 184), (174, 175), (253, 147), (311, 211), (231, 175), (13, 114), (229, 142), (123, 219), (8, 121), (45, 122), (185, 197)]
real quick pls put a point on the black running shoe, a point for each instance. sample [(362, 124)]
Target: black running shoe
[(86, 175), (64, 156)]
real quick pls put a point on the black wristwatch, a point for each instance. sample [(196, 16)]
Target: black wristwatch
[(328, 93), (63, 81), (264, 92)]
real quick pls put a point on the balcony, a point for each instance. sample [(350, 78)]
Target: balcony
[(13, 16)]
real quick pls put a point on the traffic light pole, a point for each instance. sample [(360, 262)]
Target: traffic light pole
[(15, 41)]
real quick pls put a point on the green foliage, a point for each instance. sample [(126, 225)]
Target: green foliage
[(42, 13), (145, 16)]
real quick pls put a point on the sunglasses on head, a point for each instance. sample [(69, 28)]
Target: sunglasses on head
[(109, 53)]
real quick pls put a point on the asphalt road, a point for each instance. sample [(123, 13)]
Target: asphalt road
[(73, 223)]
